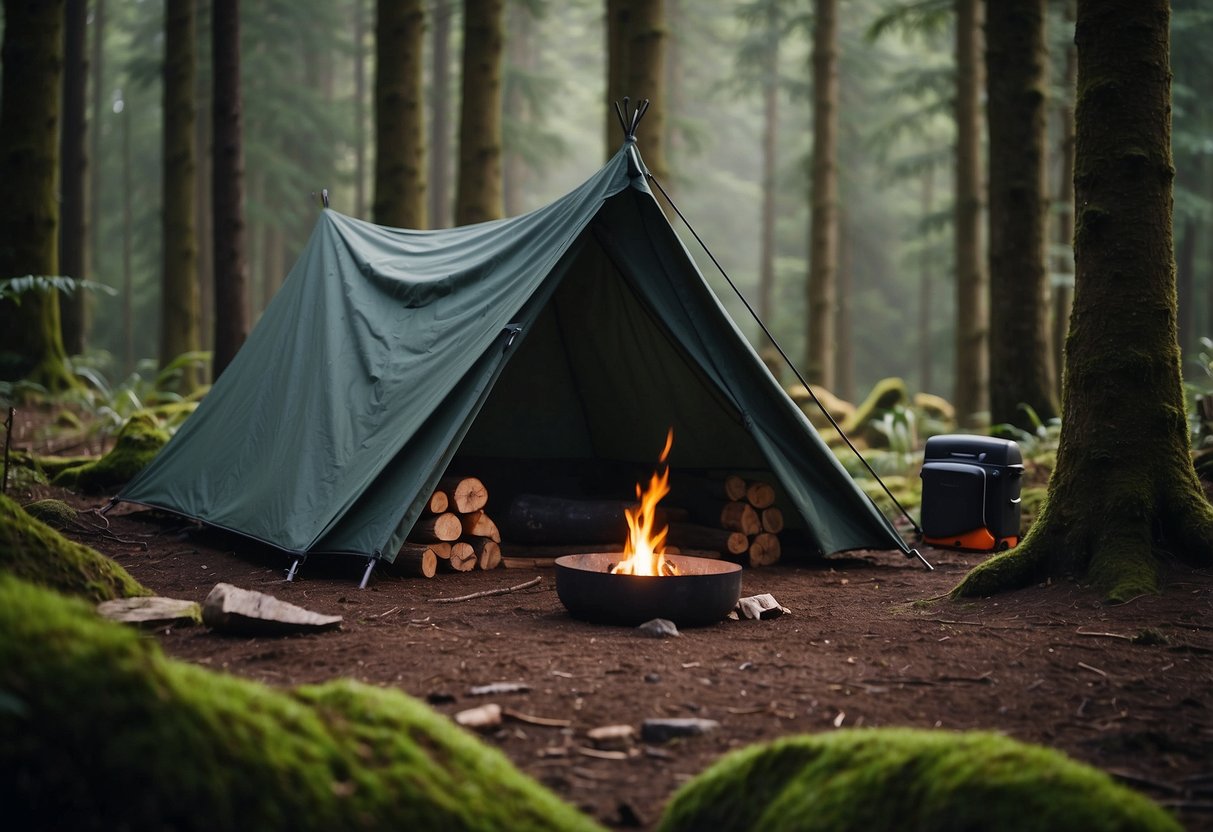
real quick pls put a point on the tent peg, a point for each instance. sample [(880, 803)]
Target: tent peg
[(366, 576), (290, 573), (925, 562)]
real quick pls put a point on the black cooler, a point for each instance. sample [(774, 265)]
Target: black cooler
[(970, 492)]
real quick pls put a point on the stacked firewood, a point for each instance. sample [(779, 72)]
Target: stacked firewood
[(454, 533), (744, 509)]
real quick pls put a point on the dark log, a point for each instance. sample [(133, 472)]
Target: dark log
[(690, 535), (734, 487), (534, 518)]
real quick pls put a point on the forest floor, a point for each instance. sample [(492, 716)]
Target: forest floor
[(869, 641)]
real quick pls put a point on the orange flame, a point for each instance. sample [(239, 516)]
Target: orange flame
[(644, 549)]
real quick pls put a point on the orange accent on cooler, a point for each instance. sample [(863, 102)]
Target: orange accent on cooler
[(979, 540)]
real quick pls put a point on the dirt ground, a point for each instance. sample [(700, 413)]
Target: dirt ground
[(1125, 688)]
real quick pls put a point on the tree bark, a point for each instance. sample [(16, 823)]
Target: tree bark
[(618, 23), (478, 195), (770, 167), (227, 187), (1063, 294), (823, 198), (73, 175), (972, 309), (399, 135), (926, 357), (31, 343), (440, 115), (644, 77), (359, 108), (179, 316), (1021, 367), (98, 107), (1124, 490)]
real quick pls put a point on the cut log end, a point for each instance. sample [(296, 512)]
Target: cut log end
[(466, 494), (417, 559), (740, 517), (764, 549), (462, 559)]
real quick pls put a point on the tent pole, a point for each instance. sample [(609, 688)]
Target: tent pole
[(290, 573), (366, 576), (796, 372)]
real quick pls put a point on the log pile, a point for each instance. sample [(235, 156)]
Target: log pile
[(746, 508), (454, 534)]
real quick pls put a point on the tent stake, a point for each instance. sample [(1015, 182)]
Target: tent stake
[(290, 573), (366, 576)]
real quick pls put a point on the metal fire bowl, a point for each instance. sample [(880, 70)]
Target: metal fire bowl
[(702, 593)]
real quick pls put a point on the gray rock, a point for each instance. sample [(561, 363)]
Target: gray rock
[(664, 730), (230, 609), (153, 611), (659, 628)]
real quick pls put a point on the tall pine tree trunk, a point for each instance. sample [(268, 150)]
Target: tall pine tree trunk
[(770, 167), (1123, 492), (521, 61), (440, 115), (359, 108), (399, 119), (823, 198), (179, 321), (128, 241), (478, 194), (926, 357), (644, 77), (73, 175), (844, 334), (618, 25), (972, 303), (1021, 366), (97, 109), (1063, 293), (31, 344), (227, 189)]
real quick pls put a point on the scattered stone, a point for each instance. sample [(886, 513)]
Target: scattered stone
[(761, 607), (628, 816), (480, 719), (151, 611), (652, 678), (664, 730), (611, 737), (659, 628), (439, 697), (230, 609), (497, 688)]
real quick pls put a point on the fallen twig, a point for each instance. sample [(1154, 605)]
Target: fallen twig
[(1105, 635), (531, 719), (487, 592), (1093, 669)]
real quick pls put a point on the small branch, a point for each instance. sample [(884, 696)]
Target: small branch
[(486, 593), (1104, 635), (1093, 669)]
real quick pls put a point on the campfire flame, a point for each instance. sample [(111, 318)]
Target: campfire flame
[(644, 550)]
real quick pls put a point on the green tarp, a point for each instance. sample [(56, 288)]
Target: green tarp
[(580, 331)]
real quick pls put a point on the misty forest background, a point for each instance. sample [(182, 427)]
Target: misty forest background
[(736, 74)]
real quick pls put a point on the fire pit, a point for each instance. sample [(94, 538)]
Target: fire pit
[(702, 592)]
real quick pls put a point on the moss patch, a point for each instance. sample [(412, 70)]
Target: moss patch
[(173, 746), (896, 779), (54, 513), (885, 395), (140, 439), (35, 552)]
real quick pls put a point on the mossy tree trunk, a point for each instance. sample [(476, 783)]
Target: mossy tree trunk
[(972, 305), (478, 193), (644, 77), (31, 344), (770, 165), (823, 198), (180, 318), (400, 198), (1124, 490), (73, 175), (1063, 294), (227, 186), (1021, 366)]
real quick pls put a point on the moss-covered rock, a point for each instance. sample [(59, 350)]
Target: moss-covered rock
[(53, 465), (24, 472), (897, 779), (839, 409), (35, 552), (98, 730), (885, 395), (54, 513), (140, 439)]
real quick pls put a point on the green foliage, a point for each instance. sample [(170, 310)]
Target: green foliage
[(110, 405), (139, 440), (14, 287), (896, 779), (1036, 445), (35, 552), (100, 731)]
